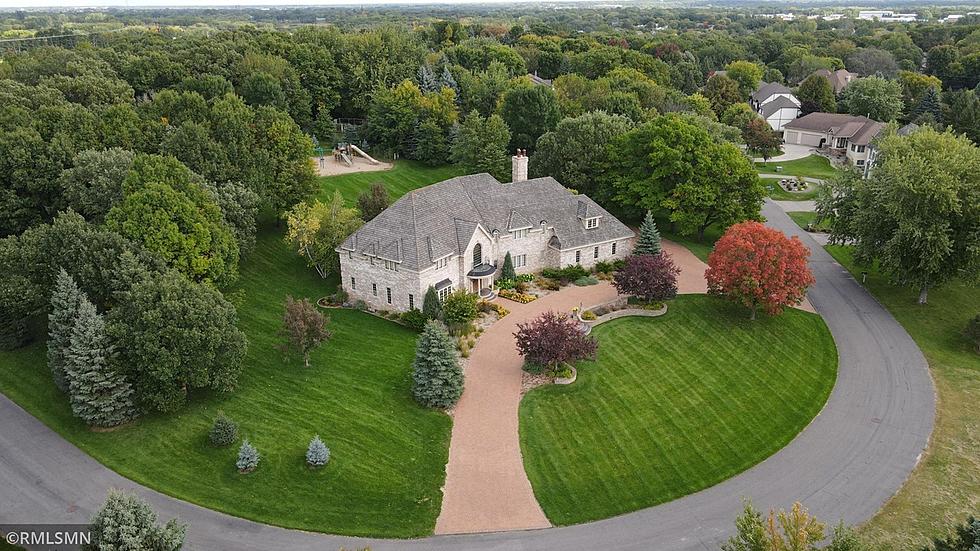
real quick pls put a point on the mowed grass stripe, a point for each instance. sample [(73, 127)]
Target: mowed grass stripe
[(673, 405)]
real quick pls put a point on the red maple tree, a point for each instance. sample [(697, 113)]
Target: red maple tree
[(755, 266)]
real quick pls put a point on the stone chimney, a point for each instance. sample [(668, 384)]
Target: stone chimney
[(519, 166)]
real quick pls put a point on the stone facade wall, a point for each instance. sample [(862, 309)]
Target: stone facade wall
[(535, 246), (587, 257), (402, 283), (405, 282)]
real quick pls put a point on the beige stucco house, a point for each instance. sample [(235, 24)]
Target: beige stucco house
[(456, 233)]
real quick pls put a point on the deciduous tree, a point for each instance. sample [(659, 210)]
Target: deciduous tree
[(529, 111), (304, 327), (722, 92), (373, 200), (917, 214), (316, 229), (481, 146), (873, 97), (816, 95), (757, 266), (575, 151), (761, 138), (175, 336)]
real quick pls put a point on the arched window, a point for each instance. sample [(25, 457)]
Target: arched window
[(477, 255)]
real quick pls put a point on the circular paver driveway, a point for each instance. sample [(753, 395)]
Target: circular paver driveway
[(845, 465)]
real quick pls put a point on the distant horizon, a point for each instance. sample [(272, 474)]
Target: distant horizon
[(190, 4)]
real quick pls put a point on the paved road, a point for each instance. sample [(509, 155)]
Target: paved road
[(845, 465)]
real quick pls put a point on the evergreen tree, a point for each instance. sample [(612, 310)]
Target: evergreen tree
[(507, 271), (431, 306), (248, 457), (317, 454), (99, 395), (437, 376), (64, 309), (449, 81), (127, 522), (928, 110), (649, 240), (427, 80), (223, 432)]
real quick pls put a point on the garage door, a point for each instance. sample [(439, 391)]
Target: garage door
[(792, 137)]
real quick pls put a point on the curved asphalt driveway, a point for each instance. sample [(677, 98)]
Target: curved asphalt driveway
[(845, 465)]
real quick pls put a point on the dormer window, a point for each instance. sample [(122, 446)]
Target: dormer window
[(391, 265), (591, 223), (521, 234), (442, 263)]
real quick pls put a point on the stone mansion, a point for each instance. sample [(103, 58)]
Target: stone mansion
[(455, 235)]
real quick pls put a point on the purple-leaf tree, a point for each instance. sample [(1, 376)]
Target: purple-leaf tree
[(552, 339), (650, 277), (304, 327)]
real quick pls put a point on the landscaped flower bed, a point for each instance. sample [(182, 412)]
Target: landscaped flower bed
[(510, 294)]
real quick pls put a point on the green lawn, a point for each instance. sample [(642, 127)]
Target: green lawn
[(804, 218), (402, 178), (945, 487), (388, 456), (813, 166), (673, 405), (776, 192)]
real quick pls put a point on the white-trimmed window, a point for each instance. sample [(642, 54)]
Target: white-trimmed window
[(391, 265), (388, 291), (520, 234), (860, 162), (578, 257), (442, 263), (353, 283), (860, 149), (411, 301), (595, 252), (520, 261), (445, 292), (614, 248), (592, 223)]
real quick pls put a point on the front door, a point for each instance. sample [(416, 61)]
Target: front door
[(476, 286)]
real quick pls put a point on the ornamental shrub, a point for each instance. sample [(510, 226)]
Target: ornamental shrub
[(317, 453), (248, 457), (565, 275), (585, 281), (223, 432), (459, 308), (414, 318)]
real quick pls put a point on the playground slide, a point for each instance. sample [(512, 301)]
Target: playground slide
[(357, 150), (347, 159)]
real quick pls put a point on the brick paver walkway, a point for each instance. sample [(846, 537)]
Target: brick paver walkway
[(486, 487)]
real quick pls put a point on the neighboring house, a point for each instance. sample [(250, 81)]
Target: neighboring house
[(455, 234), (886, 15), (839, 79), (538, 81), (873, 150), (776, 103), (845, 134)]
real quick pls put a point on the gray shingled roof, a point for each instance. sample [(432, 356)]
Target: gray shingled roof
[(781, 102), (430, 222), (769, 89)]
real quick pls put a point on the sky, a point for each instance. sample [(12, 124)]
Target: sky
[(225, 3)]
